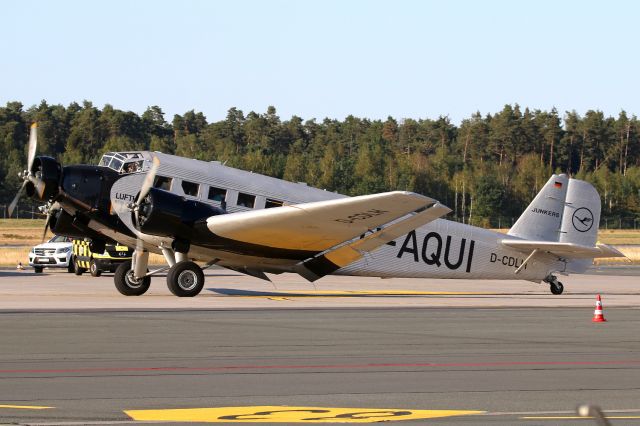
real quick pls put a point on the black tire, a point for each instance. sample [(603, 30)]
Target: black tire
[(77, 269), (125, 284), (94, 270), (557, 288), (71, 267), (38, 269), (185, 279)]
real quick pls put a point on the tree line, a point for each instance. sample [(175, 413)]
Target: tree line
[(487, 168)]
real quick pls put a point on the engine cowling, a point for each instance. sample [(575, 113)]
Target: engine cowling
[(47, 183), (62, 223), (169, 215)]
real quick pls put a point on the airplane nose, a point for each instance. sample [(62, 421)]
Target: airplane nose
[(88, 186), (45, 179)]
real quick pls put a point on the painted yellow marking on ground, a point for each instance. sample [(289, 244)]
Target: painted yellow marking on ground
[(25, 407), (580, 418), (279, 298), (284, 414)]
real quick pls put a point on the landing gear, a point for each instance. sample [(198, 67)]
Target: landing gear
[(185, 279), (555, 286), (127, 284)]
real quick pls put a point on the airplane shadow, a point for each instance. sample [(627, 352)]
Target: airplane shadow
[(311, 294)]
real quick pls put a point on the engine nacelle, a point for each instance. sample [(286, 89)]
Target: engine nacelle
[(169, 215), (62, 223), (47, 183)]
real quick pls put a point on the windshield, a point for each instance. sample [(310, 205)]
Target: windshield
[(123, 162), (59, 239)]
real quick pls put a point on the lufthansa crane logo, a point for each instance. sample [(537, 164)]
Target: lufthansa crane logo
[(582, 219)]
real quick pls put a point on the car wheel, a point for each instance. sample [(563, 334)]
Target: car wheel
[(77, 269), (93, 269), (37, 269)]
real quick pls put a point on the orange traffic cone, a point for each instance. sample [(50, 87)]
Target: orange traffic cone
[(598, 315)]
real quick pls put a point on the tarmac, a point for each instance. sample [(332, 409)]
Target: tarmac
[(351, 350)]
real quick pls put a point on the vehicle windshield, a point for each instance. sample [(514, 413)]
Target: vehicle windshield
[(60, 239), (123, 162)]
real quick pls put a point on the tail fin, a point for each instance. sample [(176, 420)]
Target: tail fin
[(542, 219), (581, 214)]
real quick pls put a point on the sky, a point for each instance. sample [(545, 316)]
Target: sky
[(323, 58)]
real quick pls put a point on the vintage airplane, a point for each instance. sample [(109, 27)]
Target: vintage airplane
[(190, 210)]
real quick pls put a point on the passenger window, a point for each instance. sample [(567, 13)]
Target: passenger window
[(217, 194), (190, 188), (273, 203), (246, 200), (162, 183)]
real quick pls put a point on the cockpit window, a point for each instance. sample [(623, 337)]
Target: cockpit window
[(115, 164), (162, 182), (123, 162), (132, 167)]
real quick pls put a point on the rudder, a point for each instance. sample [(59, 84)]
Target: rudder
[(581, 215)]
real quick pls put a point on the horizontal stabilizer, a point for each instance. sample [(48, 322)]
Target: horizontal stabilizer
[(334, 259), (564, 250)]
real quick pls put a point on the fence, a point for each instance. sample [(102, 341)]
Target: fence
[(21, 212)]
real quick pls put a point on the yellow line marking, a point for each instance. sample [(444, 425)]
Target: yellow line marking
[(25, 407), (579, 418), (285, 414)]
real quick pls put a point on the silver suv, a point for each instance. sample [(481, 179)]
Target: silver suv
[(55, 253)]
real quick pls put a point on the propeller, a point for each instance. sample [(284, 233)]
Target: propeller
[(27, 175), (49, 209), (146, 187)]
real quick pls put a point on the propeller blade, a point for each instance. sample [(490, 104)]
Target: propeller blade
[(46, 227), (50, 212), (14, 203), (33, 145), (148, 180)]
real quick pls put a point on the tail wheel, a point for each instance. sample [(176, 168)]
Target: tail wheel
[(94, 270), (127, 284), (557, 288), (185, 279)]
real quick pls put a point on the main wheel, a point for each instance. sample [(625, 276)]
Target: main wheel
[(94, 270), (77, 269), (37, 269), (126, 284), (557, 288), (185, 279)]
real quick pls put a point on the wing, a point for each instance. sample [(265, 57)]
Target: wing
[(320, 237), (564, 250), (339, 257)]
